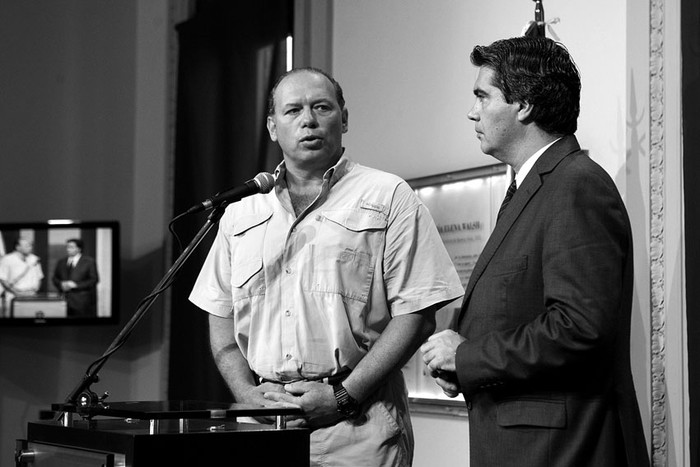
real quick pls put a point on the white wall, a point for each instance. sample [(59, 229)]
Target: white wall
[(404, 65)]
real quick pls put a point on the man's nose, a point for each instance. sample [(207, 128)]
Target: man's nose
[(308, 117), (472, 114)]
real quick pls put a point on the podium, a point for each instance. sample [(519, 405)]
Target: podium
[(164, 433), (38, 306)]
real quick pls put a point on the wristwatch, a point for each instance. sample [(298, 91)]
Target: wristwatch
[(346, 404)]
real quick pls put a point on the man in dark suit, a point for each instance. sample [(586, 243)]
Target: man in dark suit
[(543, 350), (76, 276)]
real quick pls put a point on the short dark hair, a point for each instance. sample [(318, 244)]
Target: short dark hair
[(78, 242), (336, 86), (539, 71)]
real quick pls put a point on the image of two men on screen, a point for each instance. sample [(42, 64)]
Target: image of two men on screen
[(75, 279)]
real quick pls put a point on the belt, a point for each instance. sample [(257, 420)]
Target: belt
[(332, 379)]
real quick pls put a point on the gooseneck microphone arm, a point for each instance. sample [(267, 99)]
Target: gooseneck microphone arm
[(82, 396), (262, 183)]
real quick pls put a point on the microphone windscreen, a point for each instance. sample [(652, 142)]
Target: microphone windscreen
[(266, 181)]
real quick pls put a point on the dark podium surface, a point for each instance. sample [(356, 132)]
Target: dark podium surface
[(161, 410), (178, 433)]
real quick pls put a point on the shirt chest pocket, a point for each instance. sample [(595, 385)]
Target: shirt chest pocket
[(343, 259), (247, 240)]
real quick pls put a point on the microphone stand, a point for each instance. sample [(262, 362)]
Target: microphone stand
[(82, 397)]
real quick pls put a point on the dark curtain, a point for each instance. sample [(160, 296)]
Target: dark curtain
[(690, 49), (230, 55)]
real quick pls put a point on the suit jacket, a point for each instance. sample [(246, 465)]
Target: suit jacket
[(82, 300), (546, 364)]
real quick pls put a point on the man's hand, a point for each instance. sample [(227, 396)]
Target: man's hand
[(255, 396), (68, 285), (440, 350), (439, 354), (447, 381), (315, 399)]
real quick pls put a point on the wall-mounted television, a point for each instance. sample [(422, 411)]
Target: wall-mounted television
[(59, 272)]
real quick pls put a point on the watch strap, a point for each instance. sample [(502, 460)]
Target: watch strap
[(347, 405)]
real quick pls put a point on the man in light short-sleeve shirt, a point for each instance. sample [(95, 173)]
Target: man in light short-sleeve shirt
[(20, 274), (326, 286)]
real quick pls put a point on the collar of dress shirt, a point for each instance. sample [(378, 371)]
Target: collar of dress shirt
[(331, 176), (530, 163)]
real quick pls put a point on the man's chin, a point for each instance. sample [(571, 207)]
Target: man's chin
[(309, 157), (486, 149)]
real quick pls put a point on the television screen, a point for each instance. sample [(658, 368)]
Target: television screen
[(59, 272)]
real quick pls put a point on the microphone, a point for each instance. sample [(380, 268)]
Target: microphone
[(262, 183)]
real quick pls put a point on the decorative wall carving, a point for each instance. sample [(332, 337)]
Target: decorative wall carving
[(656, 245)]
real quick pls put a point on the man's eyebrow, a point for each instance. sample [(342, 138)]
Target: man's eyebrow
[(323, 100), (320, 100), (288, 105)]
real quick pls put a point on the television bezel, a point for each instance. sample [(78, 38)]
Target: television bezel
[(48, 269)]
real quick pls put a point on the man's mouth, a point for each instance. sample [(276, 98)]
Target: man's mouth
[(311, 142), (309, 138)]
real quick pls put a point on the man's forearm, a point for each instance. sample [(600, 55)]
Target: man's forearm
[(396, 345), (228, 357), (6, 285), (234, 369)]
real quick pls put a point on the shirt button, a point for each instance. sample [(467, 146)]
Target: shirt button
[(288, 356), (288, 313), (288, 270)]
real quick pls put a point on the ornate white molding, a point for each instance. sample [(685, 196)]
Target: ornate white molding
[(656, 244)]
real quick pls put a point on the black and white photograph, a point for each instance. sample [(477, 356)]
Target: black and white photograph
[(369, 233)]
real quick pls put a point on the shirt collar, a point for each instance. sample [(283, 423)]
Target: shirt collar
[(530, 163), (330, 177)]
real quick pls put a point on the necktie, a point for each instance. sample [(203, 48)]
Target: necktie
[(509, 194)]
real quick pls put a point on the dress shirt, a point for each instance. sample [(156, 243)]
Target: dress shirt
[(530, 163), (73, 260), (23, 273), (310, 294)]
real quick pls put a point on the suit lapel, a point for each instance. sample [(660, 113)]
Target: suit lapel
[(522, 195), (532, 183)]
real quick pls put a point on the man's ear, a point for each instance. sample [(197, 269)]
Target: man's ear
[(272, 128), (524, 111), (344, 116)]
